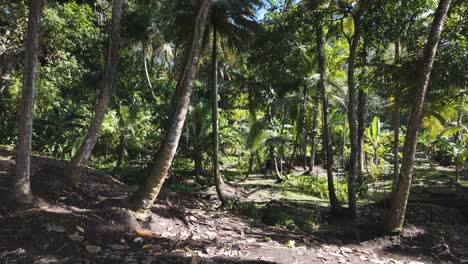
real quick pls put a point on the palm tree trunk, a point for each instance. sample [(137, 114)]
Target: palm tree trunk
[(314, 133), (396, 129), (396, 213), (79, 161), (215, 115), (22, 184), (148, 79), (334, 203), (352, 120), (300, 125), (143, 200), (251, 163), (362, 98), (396, 147), (352, 114), (279, 176)]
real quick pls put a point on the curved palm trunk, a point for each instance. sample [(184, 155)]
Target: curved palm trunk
[(79, 161), (251, 163), (334, 203), (279, 176), (215, 115), (143, 200), (148, 79), (22, 184), (396, 213)]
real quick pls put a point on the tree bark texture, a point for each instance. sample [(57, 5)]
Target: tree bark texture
[(396, 213)]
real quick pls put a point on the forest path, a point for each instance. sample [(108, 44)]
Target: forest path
[(184, 228)]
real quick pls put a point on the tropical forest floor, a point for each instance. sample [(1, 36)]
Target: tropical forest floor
[(266, 223)]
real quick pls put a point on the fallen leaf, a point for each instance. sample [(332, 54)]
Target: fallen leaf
[(145, 233), (147, 246), (79, 228), (93, 249)]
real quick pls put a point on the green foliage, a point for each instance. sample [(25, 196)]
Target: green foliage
[(318, 186), (248, 209)]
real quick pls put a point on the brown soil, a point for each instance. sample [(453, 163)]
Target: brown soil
[(87, 225)]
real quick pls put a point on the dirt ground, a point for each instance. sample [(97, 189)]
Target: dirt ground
[(82, 226)]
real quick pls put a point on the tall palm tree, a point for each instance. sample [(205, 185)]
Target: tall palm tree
[(235, 20), (396, 213), (334, 203), (79, 161), (23, 153), (143, 199), (364, 5)]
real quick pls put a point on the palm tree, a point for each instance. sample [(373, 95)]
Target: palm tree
[(257, 135), (334, 203), (364, 5), (143, 199), (78, 162), (235, 20), (396, 213), (200, 134), (23, 149)]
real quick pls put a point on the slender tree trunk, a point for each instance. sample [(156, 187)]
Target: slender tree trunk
[(458, 136), (259, 161), (334, 203), (22, 184), (314, 133), (352, 114), (396, 213), (279, 176), (251, 163), (396, 129), (79, 161), (396, 147), (300, 125), (215, 115), (148, 79), (143, 200), (362, 100), (352, 120), (362, 112)]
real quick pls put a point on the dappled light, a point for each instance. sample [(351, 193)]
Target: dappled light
[(226, 131)]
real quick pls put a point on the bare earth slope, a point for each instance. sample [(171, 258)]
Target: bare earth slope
[(82, 226)]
